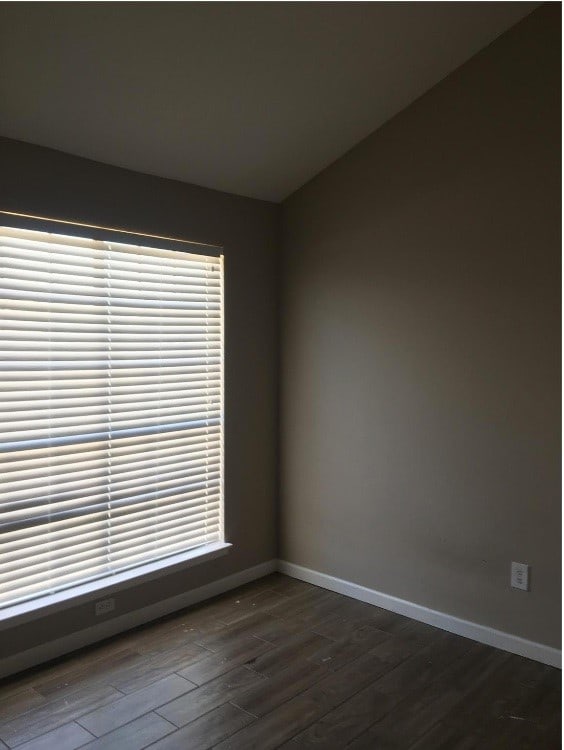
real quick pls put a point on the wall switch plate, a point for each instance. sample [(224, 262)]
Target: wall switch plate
[(520, 576), (104, 606)]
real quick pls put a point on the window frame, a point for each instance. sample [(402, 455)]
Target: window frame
[(90, 591)]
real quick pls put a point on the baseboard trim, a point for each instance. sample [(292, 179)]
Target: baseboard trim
[(481, 633), (489, 636), (53, 649)]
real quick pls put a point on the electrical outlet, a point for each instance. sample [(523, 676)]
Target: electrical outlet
[(520, 576), (104, 606)]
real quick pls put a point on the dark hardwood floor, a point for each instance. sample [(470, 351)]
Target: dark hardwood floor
[(282, 664)]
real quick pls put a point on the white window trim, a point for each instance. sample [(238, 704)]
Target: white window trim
[(34, 609)]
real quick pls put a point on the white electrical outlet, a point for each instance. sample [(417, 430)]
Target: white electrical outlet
[(520, 576), (104, 606)]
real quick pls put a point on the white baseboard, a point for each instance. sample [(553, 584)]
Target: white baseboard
[(481, 633), (505, 641), (51, 650)]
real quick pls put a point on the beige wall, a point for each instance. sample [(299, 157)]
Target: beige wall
[(420, 359), (420, 347), (48, 183)]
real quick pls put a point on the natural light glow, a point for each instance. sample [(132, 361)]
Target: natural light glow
[(111, 397)]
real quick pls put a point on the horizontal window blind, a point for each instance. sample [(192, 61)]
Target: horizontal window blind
[(111, 404)]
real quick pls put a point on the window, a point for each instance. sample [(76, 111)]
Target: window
[(111, 406)]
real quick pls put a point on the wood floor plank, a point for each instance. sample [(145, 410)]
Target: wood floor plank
[(260, 625), (230, 634), (222, 607), (338, 625), (343, 620), (290, 717), (136, 735), (130, 707), (274, 629), (183, 635), (54, 713), (155, 632), (261, 602), (214, 665), (395, 649), (263, 697), (411, 718), (404, 627), (223, 689), (511, 733), (473, 669), (289, 586), (545, 701), (63, 667), (525, 707), (12, 705), (349, 719), (513, 682), (337, 653), (163, 634), (345, 612), (282, 663), (127, 670), (273, 729), (416, 714), (207, 731), (68, 737), (444, 737), (426, 664), (412, 630), (149, 668), (345, 722), (359, 673), (315, 613), (342, 724), (356, 607), (290, 651), (95, 673), (304, 600)]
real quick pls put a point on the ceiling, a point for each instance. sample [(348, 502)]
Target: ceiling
[(251, 98)]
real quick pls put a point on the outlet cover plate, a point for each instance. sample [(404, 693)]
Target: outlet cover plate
[(104, 606), (520, 576)]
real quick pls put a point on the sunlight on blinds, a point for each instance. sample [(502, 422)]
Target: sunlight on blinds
[(111, 397)]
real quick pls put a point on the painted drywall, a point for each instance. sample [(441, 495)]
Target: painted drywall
[(420, 381), (49, 183), (253, 98)]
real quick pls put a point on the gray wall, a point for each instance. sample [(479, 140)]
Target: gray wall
[(48, 183), (420, 347)]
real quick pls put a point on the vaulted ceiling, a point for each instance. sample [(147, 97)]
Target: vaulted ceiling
[(251, 98)]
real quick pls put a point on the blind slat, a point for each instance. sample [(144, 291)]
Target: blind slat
[(34, 462), (81, 525), (59, 555), (111, 398)]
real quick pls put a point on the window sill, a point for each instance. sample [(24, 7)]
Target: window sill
[(18, 614)]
